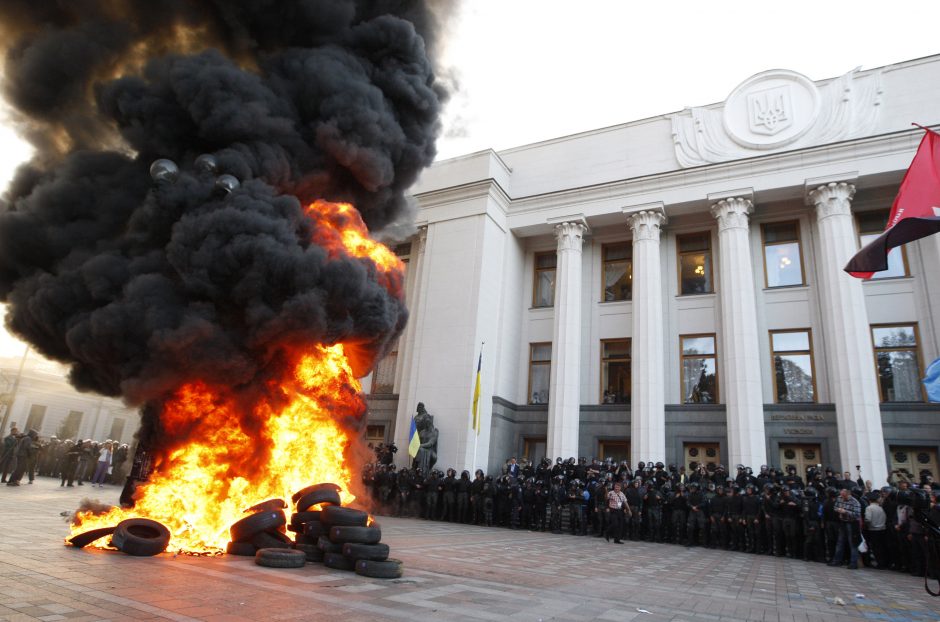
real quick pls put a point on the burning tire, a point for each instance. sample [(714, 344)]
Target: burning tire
[(312, 551), (269, 540), (141, 537), (280, 558), (316, 497), (371, 552), (329, 547), (241, 548), (245, 529), (86, 538), (388, 569), (336, 516), (358, 535), (267, 506), (337, 561), (300, 493)]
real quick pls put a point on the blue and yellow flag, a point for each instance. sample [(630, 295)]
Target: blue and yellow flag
[(476, 396), (414, 443)]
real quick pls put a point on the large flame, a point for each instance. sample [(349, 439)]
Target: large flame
[(203, 486)]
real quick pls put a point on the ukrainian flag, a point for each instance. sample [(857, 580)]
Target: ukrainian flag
[(476, 396), (414, 443)]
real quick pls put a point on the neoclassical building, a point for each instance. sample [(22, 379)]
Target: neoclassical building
[(672, 288)]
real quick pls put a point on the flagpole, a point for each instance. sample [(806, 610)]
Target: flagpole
[(476, 435)]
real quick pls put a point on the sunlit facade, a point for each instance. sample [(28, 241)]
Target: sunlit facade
[(671, 288)]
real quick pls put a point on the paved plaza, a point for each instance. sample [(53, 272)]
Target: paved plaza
[(452, 573)]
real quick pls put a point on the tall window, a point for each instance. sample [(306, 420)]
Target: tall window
[(618, 271), (870, 226), (792, 355), (544, 292), (615, 371), (540, 367), (699, 369), (34, 421), (70, 426), (695, 263), (897, 363), (117, 429), (783, 264)]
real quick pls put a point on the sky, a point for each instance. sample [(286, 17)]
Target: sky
[(529, 70)]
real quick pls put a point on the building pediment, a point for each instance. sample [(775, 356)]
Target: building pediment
[(778, 110)]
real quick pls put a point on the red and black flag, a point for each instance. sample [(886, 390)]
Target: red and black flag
[(915, 213)]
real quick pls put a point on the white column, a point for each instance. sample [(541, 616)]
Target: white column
[(741, 386), (648, 416), (564, 396), (408, 349), (851, 364)]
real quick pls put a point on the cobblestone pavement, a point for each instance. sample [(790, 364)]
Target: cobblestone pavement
[(452, 573)]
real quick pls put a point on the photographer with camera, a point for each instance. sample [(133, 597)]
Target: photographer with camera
[(848, 512)]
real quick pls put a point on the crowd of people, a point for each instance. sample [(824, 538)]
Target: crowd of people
[(820, 516), (72, 461)]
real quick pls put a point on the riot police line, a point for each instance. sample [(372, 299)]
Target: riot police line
[(770, 512)]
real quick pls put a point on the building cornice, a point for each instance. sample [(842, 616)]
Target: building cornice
[(784, 174)]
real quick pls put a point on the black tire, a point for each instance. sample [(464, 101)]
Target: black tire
[(245, 529), (371, 552), (338, 561), (300, 493), (241, 548), (85, 538), (280, 558), (141, 537), (299, 519), (388, 569), (329, 547), (336, 516), (312, 551), (359, 535), (305, 539), (315, 530), (267, 506), (267, 540), (317, 497)]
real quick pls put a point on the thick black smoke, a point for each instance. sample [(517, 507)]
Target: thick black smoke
[(142, 286)]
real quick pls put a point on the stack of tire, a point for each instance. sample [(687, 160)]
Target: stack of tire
[(340, 537), (261, 530)]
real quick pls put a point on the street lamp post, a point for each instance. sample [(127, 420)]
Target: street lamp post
[(7, 399)]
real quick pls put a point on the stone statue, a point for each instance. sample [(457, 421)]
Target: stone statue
[(427, 434)]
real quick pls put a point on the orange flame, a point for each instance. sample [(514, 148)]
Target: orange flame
[(200, 488)]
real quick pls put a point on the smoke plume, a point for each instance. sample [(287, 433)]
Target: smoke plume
[(141, 286)]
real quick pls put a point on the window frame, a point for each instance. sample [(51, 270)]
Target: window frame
[(812, 361), (605, 261), (858, 239), (799, 247), (605, 360), (535, 277), (707, 234), (683, 357), (917, 358), (532, 346)]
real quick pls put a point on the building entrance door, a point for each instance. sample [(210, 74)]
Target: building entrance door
[(914, 460), (800, 456), (614, 449), (700, 453), (533, 448)]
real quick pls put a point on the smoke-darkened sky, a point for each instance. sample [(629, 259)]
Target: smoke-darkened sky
[(141, 286)]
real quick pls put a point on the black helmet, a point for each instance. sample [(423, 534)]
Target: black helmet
[(660, 465), (810, 492)]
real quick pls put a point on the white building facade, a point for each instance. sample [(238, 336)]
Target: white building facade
[(671, 289), (34, 394)]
